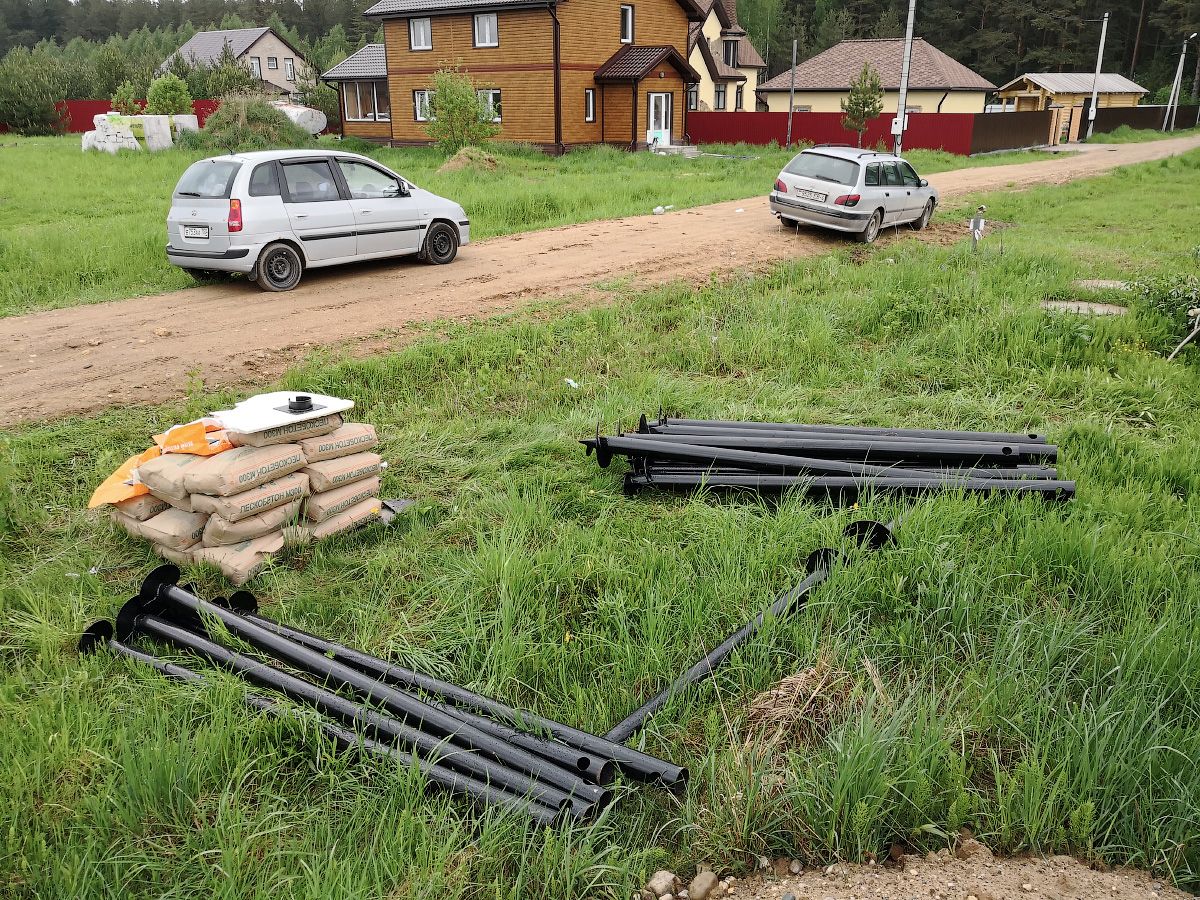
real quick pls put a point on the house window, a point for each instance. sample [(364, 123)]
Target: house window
[(255, 67), (693, 96), (486, 34), (589, 104), (719, 96), (420, 35), (626, 23), (489, 103), (731, 53), (289, 68), (272, 62), (367, 101), (737, 98), (422, 105)]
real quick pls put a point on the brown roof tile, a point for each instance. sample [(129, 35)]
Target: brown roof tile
[(835, 68), (633, 63)]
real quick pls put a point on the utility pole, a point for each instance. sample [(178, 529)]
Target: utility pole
[(902, 101), (792, 95), (1173, 102), (1096, 78)]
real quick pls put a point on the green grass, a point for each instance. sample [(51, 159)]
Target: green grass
[(1127, 135), (1041, 662), (81, 228)]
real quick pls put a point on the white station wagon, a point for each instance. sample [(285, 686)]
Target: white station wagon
[(272, 214)]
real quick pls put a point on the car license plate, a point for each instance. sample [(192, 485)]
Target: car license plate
[(195, 231), (811, 195)]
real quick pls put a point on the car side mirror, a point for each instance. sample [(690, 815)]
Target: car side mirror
[(404, 191), (924, 182)]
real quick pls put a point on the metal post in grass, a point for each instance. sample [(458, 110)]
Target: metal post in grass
[(1096, 77), (792, 96), (902, 100)]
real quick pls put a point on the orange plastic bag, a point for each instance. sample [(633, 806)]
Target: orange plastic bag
[(204, 437), (119, 485)]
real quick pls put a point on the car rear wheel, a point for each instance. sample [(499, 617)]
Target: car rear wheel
[(868, 234), (279, 268), (926, 214), (787, 223), (441, 244)]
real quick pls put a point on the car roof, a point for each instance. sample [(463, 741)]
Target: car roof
[(852, 153), (265, 155)]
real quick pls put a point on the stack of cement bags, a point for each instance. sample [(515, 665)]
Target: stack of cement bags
[(235, 509)]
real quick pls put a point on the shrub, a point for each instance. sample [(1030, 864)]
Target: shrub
[(246, 122), (1167, 303), (124, 100), (324, 98), (458, 118), (168, 96)]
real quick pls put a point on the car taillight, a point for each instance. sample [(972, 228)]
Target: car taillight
[(848, 200), (235, 216), (780, 186)]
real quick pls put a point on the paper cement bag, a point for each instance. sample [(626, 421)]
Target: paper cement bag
[(333, 473), (255, 501), (131, 525), (241, 562), (242, 468), (175, 529), (220, 532), (179, 557), (286, 434), (327, 504), (359, 514), (141, 508), (184, 502), (353, 437), (164, 476)]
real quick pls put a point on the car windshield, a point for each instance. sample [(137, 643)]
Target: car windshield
[(209, 179), (824, 168)]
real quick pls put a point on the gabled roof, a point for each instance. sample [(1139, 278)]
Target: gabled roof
[(207, 46), (632, 63), (717, 69), (747, 56), (367, 62), (1079, 83), (835, 68), (385, 9), (726, 13)]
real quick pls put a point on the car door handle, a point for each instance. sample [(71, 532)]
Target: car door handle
[(301, 215), (365, 212)]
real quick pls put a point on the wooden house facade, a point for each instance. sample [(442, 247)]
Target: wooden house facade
[(554, 73)]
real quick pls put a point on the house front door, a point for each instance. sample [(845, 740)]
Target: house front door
[(659, 112)]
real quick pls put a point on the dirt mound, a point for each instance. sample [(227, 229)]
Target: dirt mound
[(469, 158)]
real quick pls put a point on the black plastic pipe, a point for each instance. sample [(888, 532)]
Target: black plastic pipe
[(1031, 436), (431, 747), (101, 633), (849, 486), (632, 763), (881, 450), (645, 466), (159, 592), (819, 565)]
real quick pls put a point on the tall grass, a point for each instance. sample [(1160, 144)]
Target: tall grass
[(81, 228), (1040, 664)]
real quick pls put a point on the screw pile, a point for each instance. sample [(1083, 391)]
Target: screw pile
[(463, 742), (838, 462)]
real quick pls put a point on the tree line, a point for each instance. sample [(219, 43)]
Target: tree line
[(999, 39)]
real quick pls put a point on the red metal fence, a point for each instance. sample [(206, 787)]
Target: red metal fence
[(77, 115), (927, 131)]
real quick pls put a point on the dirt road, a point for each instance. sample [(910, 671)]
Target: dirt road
[(147, 349)]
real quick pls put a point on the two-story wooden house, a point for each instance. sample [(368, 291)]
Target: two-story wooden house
[(555, 73)]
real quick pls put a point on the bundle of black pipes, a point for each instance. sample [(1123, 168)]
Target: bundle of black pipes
[(838, 462), (466, 743)]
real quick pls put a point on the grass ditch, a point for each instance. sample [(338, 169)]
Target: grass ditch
[(1041, 663), (82, 228)]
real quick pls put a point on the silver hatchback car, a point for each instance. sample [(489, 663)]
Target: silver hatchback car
[(853, 190), (273, 214)]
